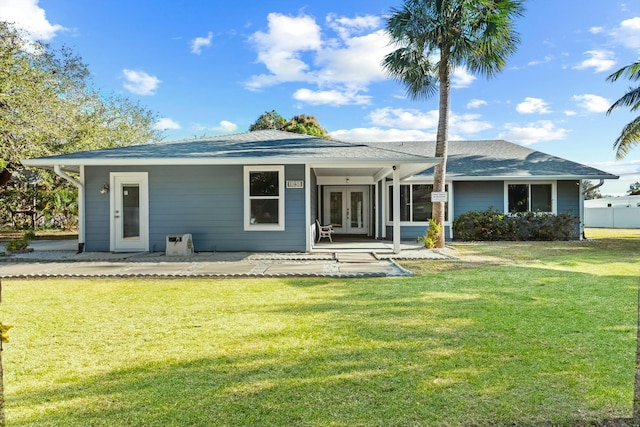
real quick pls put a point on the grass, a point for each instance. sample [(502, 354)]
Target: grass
[(514, 334)]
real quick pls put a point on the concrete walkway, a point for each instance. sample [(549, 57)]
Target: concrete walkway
[(59, 259)]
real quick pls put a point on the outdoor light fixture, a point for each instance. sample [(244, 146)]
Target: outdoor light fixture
[(104, 189)]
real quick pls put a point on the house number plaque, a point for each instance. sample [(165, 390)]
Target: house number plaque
[(295, 184)]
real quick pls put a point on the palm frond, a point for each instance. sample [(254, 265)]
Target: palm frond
[(631, 72), (629, 99), (628, 138)]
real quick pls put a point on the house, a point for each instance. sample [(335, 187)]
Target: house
[(263, 190)]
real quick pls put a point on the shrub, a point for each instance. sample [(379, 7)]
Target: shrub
[(494, 225), (430, 238), (22, 243)]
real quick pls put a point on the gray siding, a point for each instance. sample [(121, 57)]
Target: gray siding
[(477, 196), (569, 200), (206, 201), (569, 197)]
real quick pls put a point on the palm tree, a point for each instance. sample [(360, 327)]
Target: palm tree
[(433, 37), (630, 134)]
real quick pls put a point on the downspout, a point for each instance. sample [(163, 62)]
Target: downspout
[(582, 193), (80, 186)]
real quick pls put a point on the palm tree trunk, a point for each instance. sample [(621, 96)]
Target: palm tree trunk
[(442, 142), (2, 420), (636, 382)]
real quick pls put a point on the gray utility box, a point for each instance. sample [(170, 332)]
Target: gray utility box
[(179, 245)]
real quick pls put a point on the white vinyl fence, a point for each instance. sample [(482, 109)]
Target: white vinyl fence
[(612, 217)]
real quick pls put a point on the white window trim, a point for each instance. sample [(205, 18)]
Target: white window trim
[(554, 194), (388, 222), (248, 226)]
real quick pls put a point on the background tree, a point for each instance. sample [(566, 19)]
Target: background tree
[(634, 189), (269, 120), (303, 124), (433, 38), (48, 106), (630, 134), (593, 193)]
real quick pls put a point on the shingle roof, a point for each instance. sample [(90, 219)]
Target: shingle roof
[(499, 159), (265, 145), (466, 159)]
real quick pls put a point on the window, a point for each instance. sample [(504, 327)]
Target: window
[(264, 198), (415, 203), (530, 197)]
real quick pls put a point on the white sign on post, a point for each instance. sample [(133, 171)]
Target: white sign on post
[(439, 196)]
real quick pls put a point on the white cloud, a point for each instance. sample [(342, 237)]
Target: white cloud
[(596, 30), (461, 78), (592, 103), (28, 16), (404, 118), (542, 130), (280, 49), (570, 113), (628, 33), (166, 123), (225, 127), (476, 103), (357, 60), (414, 119), (468, 124), (297, 49), (375, 134), (331, 97), (599, 60), (345, 27), (545, 60), (139, 82), (199, 43), (533, 106)]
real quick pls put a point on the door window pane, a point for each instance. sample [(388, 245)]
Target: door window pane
[(357, 209), (335, 209), (130, 211)]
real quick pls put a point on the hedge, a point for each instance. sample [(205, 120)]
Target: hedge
[(495, 225)]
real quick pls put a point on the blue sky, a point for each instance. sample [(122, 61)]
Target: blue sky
[(212, 67)]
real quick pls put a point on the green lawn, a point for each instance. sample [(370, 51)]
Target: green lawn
[(513, 334)]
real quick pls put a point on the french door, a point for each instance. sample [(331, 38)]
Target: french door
[(347, 209), (129, 212)]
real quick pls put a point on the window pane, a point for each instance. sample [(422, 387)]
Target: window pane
[(130, 211), (264, 183), (357, 209), (390, 203), (335, 209), (422, 202), (405, 203), (518, 197), (541, 197), (264, 211)]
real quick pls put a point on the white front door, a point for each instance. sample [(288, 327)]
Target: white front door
[(347, 209), (129, 212)]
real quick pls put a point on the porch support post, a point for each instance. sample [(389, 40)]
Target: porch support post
[(307, 209), (81, 197), (396, 210)]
